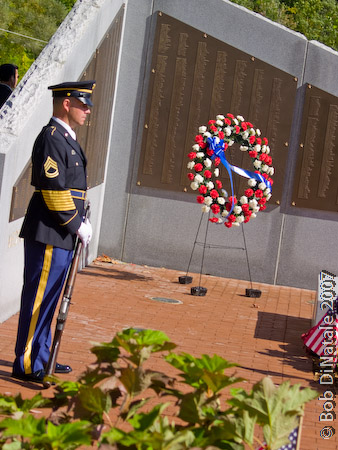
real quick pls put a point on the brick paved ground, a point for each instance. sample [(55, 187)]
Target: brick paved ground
[(262, 335)]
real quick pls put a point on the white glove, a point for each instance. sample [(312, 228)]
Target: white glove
[(85, 232)]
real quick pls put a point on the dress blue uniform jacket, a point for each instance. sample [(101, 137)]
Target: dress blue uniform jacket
[(59, 176)]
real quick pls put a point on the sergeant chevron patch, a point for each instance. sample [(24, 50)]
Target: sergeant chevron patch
[(51, 168)]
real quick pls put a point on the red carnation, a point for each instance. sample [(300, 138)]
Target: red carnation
[(231, 116), (213, 219), (231, 218), (262, 208), (226, 145), (202, 189), (227, 121), (192, 155), (214, 193), (211, 122), (265, 175), (262, 157), (221, 135), (213, 128), (253, 153), (249, 192), (259, 141), (202, 144), (191, 176), (252, 139), (219, 184), (210, 152), (237, 129), (271, 181), (245, 207), (200, 199), (215, 208), (230, 199), (265, 141), (199, 139), (244, 126), (262, 201), (207, 173), (228, 224), (217, 161), (259, 193), (247, 218), (247, 213), (249, 124), (198, 167)]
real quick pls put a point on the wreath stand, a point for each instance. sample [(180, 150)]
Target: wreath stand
[(200, 290)]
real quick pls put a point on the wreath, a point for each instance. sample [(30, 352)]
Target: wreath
[(209, 152)]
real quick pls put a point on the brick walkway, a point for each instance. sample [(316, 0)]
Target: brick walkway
[(262, 335)]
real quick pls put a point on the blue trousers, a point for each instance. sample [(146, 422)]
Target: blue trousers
[(44, 275)]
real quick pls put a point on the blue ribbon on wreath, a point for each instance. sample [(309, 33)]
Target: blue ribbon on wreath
[(218, 149)]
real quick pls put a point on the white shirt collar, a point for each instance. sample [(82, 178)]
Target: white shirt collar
[(66, 126)]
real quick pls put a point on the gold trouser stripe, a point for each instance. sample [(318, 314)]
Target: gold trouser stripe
[(58, 200), (47, 261)]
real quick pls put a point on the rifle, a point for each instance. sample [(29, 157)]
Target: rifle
[(64, 307)]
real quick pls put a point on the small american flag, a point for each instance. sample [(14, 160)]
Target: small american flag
[(293, 437), (315, 339)]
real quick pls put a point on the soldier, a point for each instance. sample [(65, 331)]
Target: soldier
[(8, 80), (54, 218)]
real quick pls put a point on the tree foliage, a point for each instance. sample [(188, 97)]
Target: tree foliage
[(315, 19), (26, 19)]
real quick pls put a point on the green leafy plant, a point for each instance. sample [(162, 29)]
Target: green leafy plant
[(122, 402)]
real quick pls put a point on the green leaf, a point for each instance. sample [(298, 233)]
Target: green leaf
[(9, 404), (144, 421), (28, 426), (94, 400), (65, 436)]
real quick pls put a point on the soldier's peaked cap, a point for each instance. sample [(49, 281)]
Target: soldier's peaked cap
[(82, 90)]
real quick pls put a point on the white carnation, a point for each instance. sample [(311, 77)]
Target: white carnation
[(219, 220), (194, 186), (267, 191), (202, 129), (237, 209), (196, 147), (265, 168), (219, 123), (221, 200), (219, 117), (210, 185), (241, 118), (207, 162), (198, 178), (263, 148), (230, 143), (253, 203), (262, 186), (235, 224), (207, 134), (243, 148), (271, 171), (208, 201), (255, 209), (227, 131), (257, 163), (205, 208), (245, 134), (268, 197), (243, 199), (258, 132), (252, 182), (253, 215), (257, 148), (252, 132), (235, 121), (267, 149), (216, 172), (224, 213), (190, 164), (200, 154), (239, 219)]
